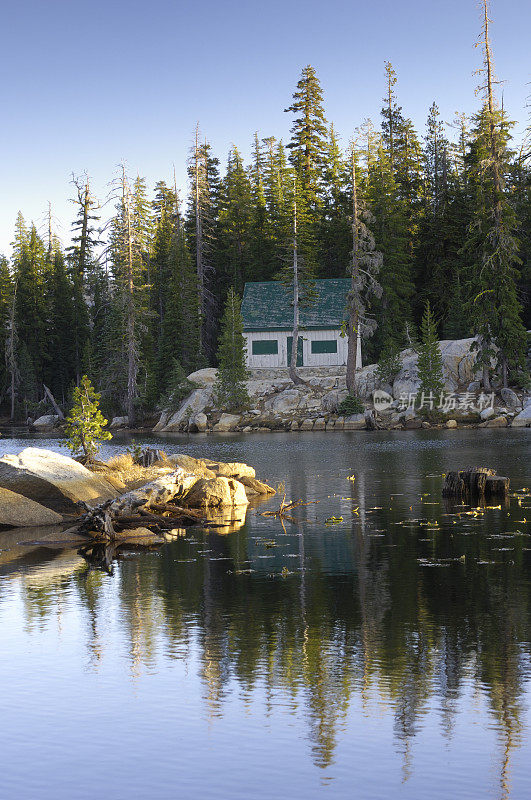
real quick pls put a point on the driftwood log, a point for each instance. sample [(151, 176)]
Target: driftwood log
[(151, 507), (476, 482)]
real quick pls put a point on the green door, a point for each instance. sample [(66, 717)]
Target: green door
[(299, 350)]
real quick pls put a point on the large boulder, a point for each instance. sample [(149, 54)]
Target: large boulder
[(193, 404), (333, 399), (216, 492), (232, 469), (226, 423), (510, 398), (119, 422), (203, 377), (458, 361), (496, 422), (194, 465), (55, 480), (523, 419), (367, 381), (356, 422), (47, 422), (198, 423), (19, 511), (286, 402), (255, 487)]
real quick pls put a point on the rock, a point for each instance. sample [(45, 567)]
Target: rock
[(17, 511), (319, 424), (46, 422), (294, 425), (332, 400), (459, 366), (203, 377), (191, 405), (195, 465), (226, 423), (412, 424), (247, 429), (451, 423), (474, 387), (356, 422), (55, 480), (340, 424), (409, 414), (497, 422), (306, 425), (486, 413), (198, 423), (523, 419), (119, 422), (232, 469), (284, 403), (255, 487), (510, 398), (215, 492), (367, 381), (427, 425)]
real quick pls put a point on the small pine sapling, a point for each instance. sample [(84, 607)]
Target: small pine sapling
[(85, 423)]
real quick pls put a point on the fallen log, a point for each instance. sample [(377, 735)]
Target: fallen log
[(137, 507)]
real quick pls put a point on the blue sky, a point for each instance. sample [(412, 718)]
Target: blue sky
[(87, 85)]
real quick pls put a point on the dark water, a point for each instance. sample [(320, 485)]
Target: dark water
[(364, 659)]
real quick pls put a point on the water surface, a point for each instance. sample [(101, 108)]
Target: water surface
[(387, 655)]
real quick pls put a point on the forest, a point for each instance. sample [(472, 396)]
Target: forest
[(134, 300)]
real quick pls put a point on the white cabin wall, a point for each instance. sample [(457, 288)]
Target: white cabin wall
[(310, 359)]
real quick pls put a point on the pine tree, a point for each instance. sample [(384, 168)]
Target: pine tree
[(492, 244), (235, 224), (201, 229), (429, 357), (365, 265), (85, 236), (230, 389), (308, 142), (85, 424), (393, 309)]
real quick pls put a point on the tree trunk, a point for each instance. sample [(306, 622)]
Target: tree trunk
[(353, 320), (130, 305), (199, 242), (295, 377)]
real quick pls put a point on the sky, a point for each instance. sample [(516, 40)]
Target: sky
[(87, 85)]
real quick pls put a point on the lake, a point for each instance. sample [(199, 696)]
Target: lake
[(386, 655)]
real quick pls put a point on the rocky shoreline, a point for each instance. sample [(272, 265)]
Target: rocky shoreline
[(276, 404), (39, 487)]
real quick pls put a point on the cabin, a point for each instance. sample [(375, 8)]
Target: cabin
[(267, 312)]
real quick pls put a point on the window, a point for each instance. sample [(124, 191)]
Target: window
[(265, 347), (325, 346)]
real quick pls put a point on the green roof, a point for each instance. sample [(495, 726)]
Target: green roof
[(267, 305)]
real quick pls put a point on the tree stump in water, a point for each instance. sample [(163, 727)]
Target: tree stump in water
[(475, 482)]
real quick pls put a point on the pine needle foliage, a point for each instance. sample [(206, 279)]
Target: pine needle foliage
[(230, 390), (85, 423), (429, 356)]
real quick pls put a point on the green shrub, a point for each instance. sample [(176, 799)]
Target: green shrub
[(351, 405)]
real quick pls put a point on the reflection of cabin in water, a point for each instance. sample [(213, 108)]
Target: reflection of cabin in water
[(267, 312)]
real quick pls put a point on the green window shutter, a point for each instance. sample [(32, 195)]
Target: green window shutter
[(325, 346), (265, 347)]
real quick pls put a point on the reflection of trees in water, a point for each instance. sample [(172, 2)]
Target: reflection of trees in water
[(384, 631)]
